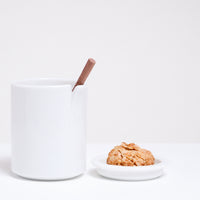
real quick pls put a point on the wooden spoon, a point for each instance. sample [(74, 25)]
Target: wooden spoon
[(85, 73)]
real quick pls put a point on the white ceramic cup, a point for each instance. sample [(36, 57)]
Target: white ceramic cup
[(48, 129)]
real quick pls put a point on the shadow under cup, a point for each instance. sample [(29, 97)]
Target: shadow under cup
[(48, 129)]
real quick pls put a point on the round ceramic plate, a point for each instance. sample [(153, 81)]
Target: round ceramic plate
[(128, 173)]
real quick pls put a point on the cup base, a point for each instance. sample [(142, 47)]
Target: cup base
[(46, 178)]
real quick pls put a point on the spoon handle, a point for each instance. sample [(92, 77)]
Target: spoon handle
[(85, 73)]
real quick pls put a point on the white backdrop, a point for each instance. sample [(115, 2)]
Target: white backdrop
[(145, 85)]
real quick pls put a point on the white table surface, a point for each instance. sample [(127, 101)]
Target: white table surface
[(180, 181)]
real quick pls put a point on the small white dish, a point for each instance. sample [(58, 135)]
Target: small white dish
[(127, 173)]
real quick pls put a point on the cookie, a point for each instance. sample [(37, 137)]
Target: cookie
[(130, 155)]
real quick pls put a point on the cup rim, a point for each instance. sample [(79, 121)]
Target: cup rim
[(44, 82)]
